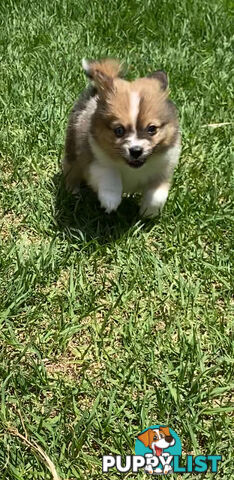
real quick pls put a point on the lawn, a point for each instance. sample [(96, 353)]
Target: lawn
[(110, 324)]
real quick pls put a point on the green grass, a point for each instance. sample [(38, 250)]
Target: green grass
[(110, 324)]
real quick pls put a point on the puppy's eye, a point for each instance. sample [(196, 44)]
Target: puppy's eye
[(119, 131), (161, 436), (151, 129)]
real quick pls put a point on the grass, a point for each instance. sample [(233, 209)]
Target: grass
[(110, 324)]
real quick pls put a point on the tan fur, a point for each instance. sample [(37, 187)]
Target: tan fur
[(113, 110), (109, 67), (103, 73)]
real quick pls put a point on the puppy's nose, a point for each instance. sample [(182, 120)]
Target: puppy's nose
[(136, 151)]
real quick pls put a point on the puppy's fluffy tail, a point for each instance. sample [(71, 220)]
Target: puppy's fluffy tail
[(108, 67)]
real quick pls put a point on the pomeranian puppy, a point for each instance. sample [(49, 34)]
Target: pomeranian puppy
[(123, 137)]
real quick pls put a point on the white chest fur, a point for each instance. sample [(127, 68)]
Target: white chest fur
[(132, 180)]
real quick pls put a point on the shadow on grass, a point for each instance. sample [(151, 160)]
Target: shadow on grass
[(81, 217)]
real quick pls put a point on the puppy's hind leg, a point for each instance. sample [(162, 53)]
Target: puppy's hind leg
[(72, 175), (71, 164)]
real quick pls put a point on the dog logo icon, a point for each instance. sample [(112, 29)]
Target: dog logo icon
[(158, 444)]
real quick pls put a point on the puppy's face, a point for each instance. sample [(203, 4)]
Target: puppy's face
[(161, 440), (134, 119), (158, 437)]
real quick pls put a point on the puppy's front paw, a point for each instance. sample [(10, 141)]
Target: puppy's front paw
[(149, 211), (109, 200), (149, 469), (167, 469), (153, 201)]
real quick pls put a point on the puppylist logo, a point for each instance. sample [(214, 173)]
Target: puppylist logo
[(158, 444), (158, 451)]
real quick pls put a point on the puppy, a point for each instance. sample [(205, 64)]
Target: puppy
[(157, 440), (123, 137)]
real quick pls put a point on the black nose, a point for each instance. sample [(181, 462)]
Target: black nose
[(135, 152)]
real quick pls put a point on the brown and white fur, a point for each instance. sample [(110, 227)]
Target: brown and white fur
[(157, 440), (123, 137)]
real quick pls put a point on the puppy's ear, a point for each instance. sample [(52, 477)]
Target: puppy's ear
[(102, 72), (144, 438), (161, 76)]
